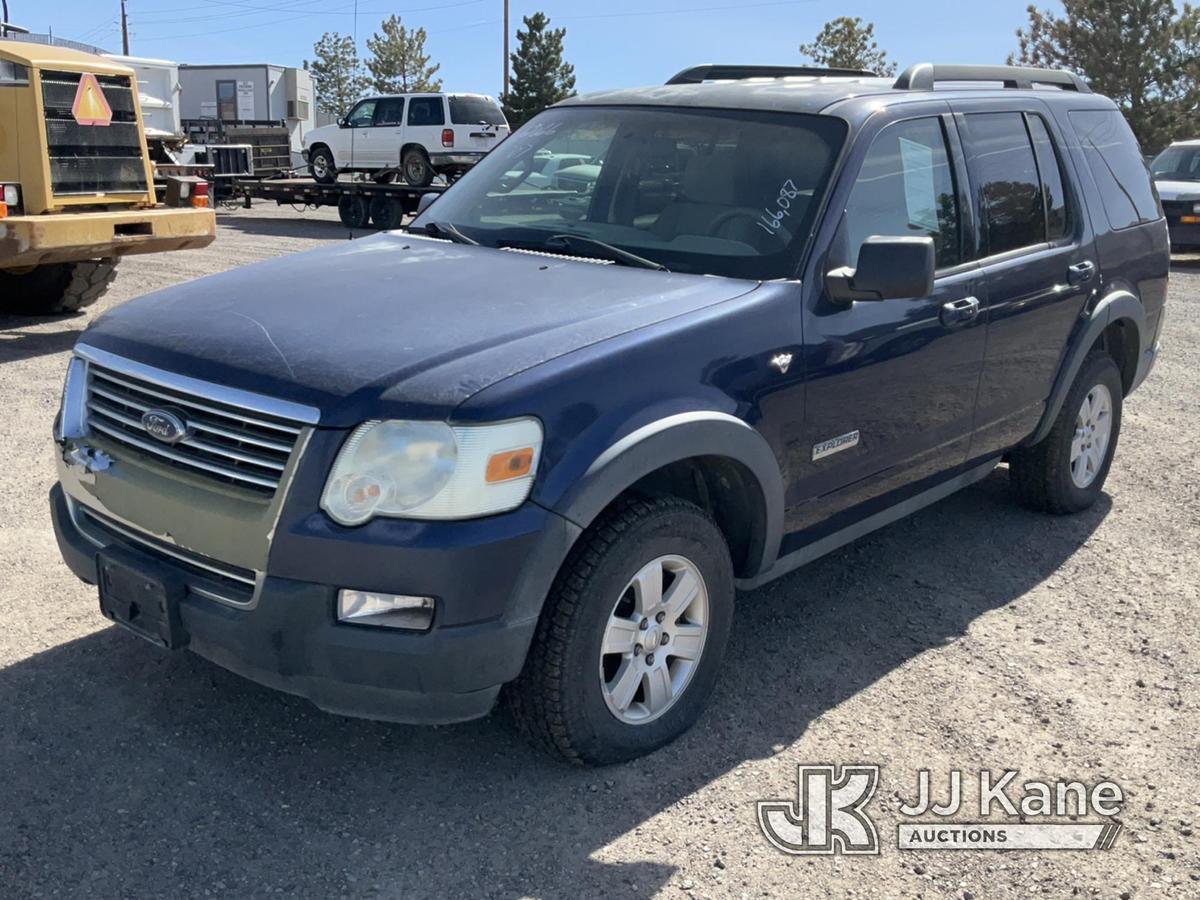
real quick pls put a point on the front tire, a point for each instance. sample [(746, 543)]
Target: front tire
[(321, 166), (1065, 472), (631, 638), (56, 288)]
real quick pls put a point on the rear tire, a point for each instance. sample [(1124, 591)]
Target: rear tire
[(354, 211), (321, 166), (597, 627), (387, 213), (418, 171), (56, 288), (1065, 472)]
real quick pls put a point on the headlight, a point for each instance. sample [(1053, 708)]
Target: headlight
[(12, 195), (430, 470), (1196, 207)]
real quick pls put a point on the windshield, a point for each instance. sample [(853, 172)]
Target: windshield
[(475, 111), (1178, 163), (729, 192)]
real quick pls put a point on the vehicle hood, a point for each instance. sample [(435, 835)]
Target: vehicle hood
[(318, 135), (393, 325), (1178, 190)]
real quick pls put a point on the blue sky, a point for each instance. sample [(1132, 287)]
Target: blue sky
[(617, 43)]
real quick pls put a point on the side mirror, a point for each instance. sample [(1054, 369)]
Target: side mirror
[(341, 122), (889, 268), (425, 202)]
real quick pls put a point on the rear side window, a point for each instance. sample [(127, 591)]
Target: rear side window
[(906, 188), (1005, 174), (475, 111), (1113, 156), (1058, 211), (390, 111), (426, 111)]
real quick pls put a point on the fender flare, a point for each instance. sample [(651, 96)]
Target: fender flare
[(672, 439), (1118, 305)]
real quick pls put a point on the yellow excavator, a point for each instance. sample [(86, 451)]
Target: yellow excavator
[(76, 181)]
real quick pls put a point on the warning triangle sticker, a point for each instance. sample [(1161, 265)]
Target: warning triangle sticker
[(91, 106)]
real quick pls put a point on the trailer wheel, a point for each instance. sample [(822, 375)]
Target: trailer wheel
[(354, 211), (417, 169), (56, 288), (386, 213), (321, 166)]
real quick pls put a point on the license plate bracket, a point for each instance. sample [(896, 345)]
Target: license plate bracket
[(142, 596)]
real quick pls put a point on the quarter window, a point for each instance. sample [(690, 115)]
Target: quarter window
[(426, 111), (1004, 170), (905, 188), (1116, 162)]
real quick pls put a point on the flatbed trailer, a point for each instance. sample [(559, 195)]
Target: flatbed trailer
[(360, 204)]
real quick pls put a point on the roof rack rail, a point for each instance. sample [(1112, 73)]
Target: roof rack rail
[(709, 72), (925, 76)]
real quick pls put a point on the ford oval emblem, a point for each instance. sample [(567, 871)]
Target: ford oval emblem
[(164, 426)]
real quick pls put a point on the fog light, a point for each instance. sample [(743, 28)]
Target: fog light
[(385, 610)]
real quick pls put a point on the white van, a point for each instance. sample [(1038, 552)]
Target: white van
[(417, 135)]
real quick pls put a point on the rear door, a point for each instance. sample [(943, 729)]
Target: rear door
[(891, 384), (478, 122), (425, 121), (1037, 260)]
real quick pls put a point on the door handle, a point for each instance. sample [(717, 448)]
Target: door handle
[(959, 312), (1081, 272)]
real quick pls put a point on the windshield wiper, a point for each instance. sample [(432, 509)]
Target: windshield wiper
[(606, 251), (449, 232)]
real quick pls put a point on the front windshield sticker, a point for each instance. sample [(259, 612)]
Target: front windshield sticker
[(772, 219), (919, 193)]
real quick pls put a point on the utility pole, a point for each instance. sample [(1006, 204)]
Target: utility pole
[(505, 94), (124, 30)]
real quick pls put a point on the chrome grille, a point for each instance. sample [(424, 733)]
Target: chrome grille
[(246, 448)]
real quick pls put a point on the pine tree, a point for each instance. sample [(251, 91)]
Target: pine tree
[(337, 75), (1141, 53), (398, 62), (846, 43), (540, 76)]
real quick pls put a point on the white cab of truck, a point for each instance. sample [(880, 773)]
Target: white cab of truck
[(418, 136)]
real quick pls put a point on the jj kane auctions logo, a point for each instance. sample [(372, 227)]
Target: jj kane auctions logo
[(829, 814)]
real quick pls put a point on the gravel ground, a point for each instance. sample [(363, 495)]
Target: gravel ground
[(973, 635)]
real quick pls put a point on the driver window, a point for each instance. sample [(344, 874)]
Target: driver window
[(362, 115), (905, 189)]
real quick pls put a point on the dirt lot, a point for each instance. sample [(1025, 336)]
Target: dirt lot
[(974, 635)]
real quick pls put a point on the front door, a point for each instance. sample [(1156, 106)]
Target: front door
[(891, 384), (356, 150), (387, 135)]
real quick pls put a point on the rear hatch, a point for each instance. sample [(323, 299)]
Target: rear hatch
[(478, 122)]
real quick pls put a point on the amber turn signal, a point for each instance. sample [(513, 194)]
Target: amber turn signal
[(1190, 220), (509, 465)]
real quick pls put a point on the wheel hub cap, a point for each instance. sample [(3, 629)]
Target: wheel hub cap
[(653, 640), (1093, 432)]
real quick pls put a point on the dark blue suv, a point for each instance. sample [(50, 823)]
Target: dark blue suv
[(659, 346)]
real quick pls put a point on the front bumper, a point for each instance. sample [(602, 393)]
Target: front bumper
[(287, 636), (1183, 236), (71, 236)]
